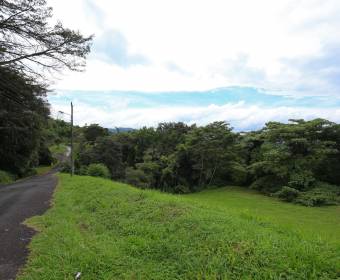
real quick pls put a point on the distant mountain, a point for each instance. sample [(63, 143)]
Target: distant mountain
[(120, 129)]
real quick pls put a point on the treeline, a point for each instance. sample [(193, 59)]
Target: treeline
[(298, 161)]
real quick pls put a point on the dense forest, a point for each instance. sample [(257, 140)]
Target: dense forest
[(298, 161)]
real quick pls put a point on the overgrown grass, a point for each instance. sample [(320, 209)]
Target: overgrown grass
[(109, 230), (311, 222), (6, 177), (43, 169)]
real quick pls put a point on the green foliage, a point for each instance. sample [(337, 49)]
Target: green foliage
[(98, 170), (178, 158), (288, 194), (239, 174), (23, 117), (137, 177), (322, 194), (297, 155), (93, 131), (267, 184), (58, 149), (106, 151), (57, 134), (109, 230), (42, 169), (66, 167), (44, 155), (6, 177), (302, 180)]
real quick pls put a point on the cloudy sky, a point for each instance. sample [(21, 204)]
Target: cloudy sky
[(243, 61)]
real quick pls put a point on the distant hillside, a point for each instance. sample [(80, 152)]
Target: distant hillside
[(120, 129)]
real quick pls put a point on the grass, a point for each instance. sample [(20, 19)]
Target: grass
[(43, 169), (311, 222), (6, 177), (58, 149), (108, 230)]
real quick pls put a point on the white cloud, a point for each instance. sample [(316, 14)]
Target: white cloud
[(239, 115), (214, 42)]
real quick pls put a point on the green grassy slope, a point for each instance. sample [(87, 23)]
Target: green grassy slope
[(109, 230), (312, 222)]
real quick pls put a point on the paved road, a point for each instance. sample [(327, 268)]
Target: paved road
[(18, 202)]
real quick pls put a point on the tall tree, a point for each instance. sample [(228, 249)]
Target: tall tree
[(22, 117), (29, 47), (29, 43)]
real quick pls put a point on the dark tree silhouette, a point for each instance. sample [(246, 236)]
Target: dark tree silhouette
[(30, 44)]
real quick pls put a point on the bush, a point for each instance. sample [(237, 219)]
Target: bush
[(6, 177), (82, 170), (268, 184), (288, 194), (98, 170), (45, 156), (322, 194), (301, 180), (182, 189), (137, 177), (65, 167)]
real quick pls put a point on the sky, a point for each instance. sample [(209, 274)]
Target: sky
[(245, 62)]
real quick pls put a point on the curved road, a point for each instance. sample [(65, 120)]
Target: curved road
[(18, 202)]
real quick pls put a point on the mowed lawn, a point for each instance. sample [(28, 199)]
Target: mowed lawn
[(311, 222), (108, 230)]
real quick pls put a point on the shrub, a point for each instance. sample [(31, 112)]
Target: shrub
[(182, 189), (6, 177), (268, 184), (98, 170), (137, 177), (65, 167), (322, 194), (288, 194), (45, 156), (301, 180), (82, 170)]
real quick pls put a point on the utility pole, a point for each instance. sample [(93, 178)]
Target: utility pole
[(71, 152), (72, 160)]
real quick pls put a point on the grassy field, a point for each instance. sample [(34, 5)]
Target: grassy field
[(109, 230), (311, 222)]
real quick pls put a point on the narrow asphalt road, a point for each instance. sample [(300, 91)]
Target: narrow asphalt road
[(18, 202)]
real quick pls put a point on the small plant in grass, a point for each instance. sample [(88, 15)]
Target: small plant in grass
[(98, 170)]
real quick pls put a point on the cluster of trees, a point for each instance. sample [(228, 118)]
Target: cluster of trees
[(298, 161), (30, 50)]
